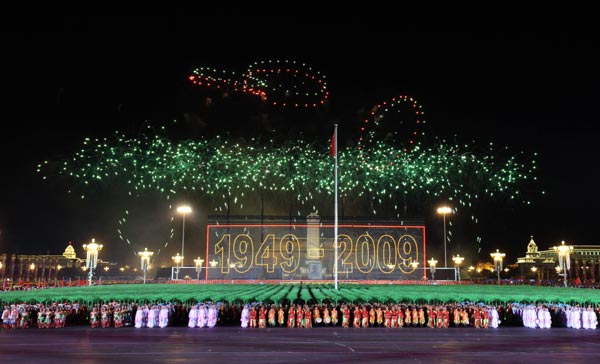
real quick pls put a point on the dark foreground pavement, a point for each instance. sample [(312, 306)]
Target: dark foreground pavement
[(84, 345)]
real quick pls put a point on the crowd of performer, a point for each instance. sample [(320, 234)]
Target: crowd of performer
[(431, 316), (262, 315), (375, 315)]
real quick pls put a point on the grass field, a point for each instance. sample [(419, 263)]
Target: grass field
[(276, 293)]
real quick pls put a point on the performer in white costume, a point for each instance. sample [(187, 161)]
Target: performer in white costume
[(163, 316), (212, 316), (245, 316), (152, 317), (139, 317), (202, 316), (193, 316)]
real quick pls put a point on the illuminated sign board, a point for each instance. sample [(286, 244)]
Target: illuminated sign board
[(307, 251)]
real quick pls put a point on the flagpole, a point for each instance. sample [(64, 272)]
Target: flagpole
[(335, 219)]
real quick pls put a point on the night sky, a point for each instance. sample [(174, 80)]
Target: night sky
[(86, 77)]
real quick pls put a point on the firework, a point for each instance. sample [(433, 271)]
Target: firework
[(220, 167), (281, 83), (398, 121), (393, 168)]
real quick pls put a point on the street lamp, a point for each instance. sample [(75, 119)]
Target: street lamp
[(564, 261), (177, 259), (498, 261), (414, 264), (432, 262), (444, 210), (145, 257), (198, 262), (56, 272), (183, 210), (457, 262), (534, 269), (31, 268), (91, 258)]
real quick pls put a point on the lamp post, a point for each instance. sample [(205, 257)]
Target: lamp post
[(534, 269), (145, 257), (564, 261), (58, 268), (457, 262), (498, 261), (558, 270), (177, 259), (414, 264), (432, 262), (91, 258), (198, 262), (31, 268), (183, 210), (444, 210)]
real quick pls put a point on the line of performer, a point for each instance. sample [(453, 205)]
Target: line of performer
[(262, 315), (362, 316)]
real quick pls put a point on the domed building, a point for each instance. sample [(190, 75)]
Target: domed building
[(16, 269), (69, 252)]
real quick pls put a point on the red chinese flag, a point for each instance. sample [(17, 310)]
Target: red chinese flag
[(333, 150)]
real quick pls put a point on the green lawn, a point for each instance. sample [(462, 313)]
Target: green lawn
[(189, 293)]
